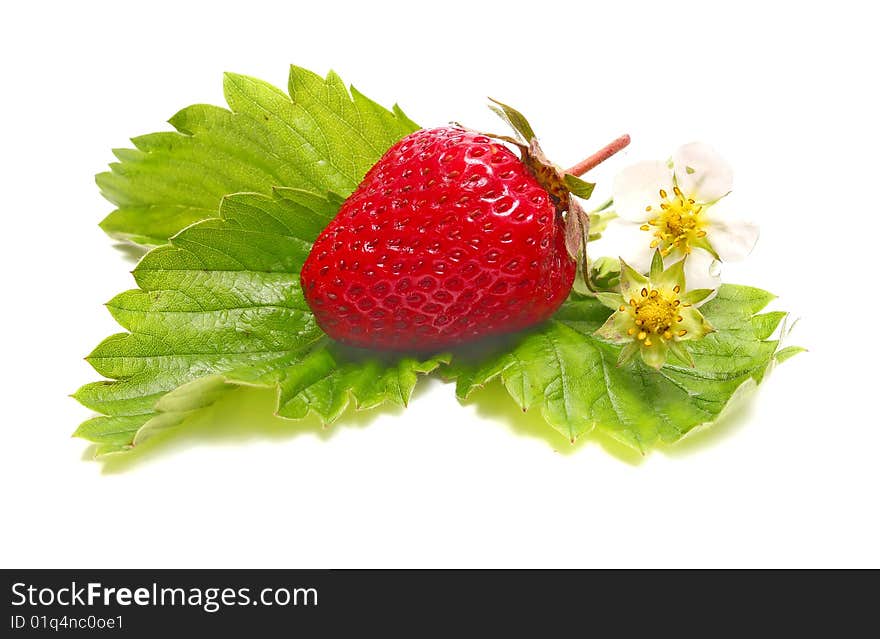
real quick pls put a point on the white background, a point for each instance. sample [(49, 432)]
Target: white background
[(785, 92)]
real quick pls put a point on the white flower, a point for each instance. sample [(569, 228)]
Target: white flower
[(680, 211)]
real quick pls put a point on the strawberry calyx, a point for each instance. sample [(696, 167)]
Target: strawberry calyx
[(560, 184)]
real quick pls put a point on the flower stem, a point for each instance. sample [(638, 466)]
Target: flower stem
[(599, 156)]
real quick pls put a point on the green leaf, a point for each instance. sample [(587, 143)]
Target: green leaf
[(322, 138), (573, 378), (221, 306), (579, 187), (218, 307), (788, 352), (515, 119)]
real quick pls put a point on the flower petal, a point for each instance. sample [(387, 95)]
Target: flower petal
[(700, 271), (631, 281), (628, 240), (672, 276), (701, 173), (694, 323), (627, 353), (615, 328), (733, 237), (610, 300), (697, 296), (680, 352), (655, 354), (637, 187)]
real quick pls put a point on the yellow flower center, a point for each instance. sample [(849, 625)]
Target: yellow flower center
[(655, 312), (678, 223)]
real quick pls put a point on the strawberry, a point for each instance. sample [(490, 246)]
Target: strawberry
[(449, 237)]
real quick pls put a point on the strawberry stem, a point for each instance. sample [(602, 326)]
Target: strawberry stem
[(599, 156)]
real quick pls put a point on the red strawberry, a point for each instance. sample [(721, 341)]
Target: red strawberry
[(448, 238)]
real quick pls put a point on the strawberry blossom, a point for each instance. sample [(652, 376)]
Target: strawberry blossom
[(654, 315), (679, 208)]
